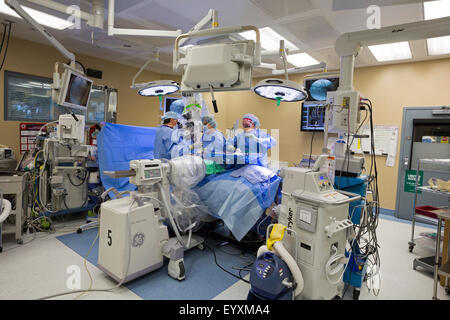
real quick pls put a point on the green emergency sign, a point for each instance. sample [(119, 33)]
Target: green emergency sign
[(410, 181)]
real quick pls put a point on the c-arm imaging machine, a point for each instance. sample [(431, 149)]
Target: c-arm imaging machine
[(134, 226)]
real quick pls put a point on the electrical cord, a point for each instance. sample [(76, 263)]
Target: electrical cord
[(7, 44), (310, 149), (215, 260), (85, 258)]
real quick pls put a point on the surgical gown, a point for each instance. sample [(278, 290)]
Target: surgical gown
[(164, 142), (254, 144), (214, 146)]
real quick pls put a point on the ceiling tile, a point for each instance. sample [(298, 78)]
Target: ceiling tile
[(315, 32), (282, 8)]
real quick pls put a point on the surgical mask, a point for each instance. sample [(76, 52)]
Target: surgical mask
[(205, 129)]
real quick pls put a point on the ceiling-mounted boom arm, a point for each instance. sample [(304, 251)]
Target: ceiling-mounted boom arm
[(15, 5), (348, 45)]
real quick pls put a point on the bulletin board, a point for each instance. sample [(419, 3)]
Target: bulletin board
[(385, 140)]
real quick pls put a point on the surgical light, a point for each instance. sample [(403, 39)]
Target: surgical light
[(280, 90), (41, 17), (158, 88), (391, 51), (436, 10)]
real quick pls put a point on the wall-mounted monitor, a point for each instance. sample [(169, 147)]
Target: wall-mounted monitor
[(177, 107), (318, 86), (75, 90), (313, 108), (313, 116)]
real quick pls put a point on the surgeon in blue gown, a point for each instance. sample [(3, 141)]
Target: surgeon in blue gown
[(252, 142), (164, 141), (213, 141)]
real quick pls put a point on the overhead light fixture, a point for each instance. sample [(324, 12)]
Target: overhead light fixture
[(158, 88), (270, 40), (436, 10), (301, 60), (42, 18), (391, 51), (280, 90)]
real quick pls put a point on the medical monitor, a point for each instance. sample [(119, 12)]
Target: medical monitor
[(313, 108), (75, 90)]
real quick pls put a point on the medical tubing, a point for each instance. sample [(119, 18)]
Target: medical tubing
[(292, 264), (334, 258), (92, 245), (5, 209), (169, 213)]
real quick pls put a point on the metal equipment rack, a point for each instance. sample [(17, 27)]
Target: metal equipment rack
[(432, 263)]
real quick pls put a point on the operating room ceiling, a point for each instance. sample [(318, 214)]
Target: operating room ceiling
[(312, 25)]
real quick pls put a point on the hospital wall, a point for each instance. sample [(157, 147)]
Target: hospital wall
[(37, 59), (390, 87)]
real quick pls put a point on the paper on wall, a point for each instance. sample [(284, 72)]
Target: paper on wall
[(392, 147)]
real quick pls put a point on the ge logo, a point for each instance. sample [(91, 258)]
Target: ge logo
[(138, 239)]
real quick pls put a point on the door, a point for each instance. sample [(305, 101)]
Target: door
[(423, 129)]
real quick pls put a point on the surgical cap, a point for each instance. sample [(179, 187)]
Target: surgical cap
[(170, 115), (252, 117), (210, 121), (177, 106)]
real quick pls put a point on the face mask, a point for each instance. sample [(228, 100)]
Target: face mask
[(205, 129)]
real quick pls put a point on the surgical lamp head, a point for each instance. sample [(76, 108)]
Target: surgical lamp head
[(280, 90), (159, 88)]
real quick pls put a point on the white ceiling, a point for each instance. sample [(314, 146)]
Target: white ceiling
[(312, 25)]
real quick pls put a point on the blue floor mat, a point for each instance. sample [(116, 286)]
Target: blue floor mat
[(204, 279)]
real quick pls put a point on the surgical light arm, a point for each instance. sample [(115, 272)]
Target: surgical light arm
[(348, 45), (15, 5)]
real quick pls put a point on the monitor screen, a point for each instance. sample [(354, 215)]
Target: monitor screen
[(313, 116), (171, 104), (78, 91), (317, 88)]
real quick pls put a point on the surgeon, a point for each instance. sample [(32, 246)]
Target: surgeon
[(252, 142), (163, 139), (213, 141)]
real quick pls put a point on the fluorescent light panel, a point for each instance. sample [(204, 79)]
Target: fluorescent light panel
[(391, 51), (436, 10), (41, 17), (270, 40), (301, 60)]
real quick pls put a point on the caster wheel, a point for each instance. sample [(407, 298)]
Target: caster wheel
[(79, 230), (411, 246), (447, 289), (336, 298), (356, 294), (20, 241), (1, 249)]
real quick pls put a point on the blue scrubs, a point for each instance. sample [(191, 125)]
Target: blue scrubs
[(214, 146), (255, 150), (163, 142)]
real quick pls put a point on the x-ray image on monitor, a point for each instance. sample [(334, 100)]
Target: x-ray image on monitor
[(313, 116), (317, 88)]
